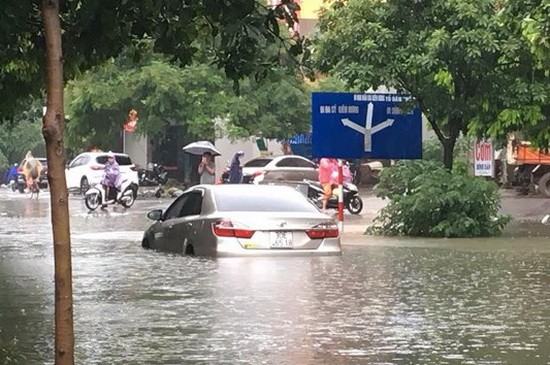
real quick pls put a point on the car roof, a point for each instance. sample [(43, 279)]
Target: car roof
[(262, 158), (245, 188), (278, 158), (295, 200), (94, 154)]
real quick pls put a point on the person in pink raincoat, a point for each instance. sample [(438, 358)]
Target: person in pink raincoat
[(327, 169)]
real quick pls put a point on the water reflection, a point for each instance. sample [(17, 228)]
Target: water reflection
[(384, 301)]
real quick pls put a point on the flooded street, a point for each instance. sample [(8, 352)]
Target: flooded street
[(384, 301)]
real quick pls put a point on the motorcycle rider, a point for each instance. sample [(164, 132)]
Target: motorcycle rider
[(236, 169), (111, 178), (12, 174), (327, 169)]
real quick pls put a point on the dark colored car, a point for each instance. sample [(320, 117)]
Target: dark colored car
[(20, 182)]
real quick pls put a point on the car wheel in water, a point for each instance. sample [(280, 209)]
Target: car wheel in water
[(189, 250), (145, 243), (355, 205), (92, 201), (84, 185)]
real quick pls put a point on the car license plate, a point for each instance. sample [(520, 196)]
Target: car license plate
[(281, 240)]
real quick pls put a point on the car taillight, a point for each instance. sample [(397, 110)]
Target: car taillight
[(257, 173), (96, 167), (323, 230), (20, 169), (226, 228)]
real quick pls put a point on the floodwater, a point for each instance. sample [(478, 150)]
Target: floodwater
[(384, 301)]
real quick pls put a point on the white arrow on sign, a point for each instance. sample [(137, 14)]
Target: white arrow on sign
[(368, 130), (348, 123)]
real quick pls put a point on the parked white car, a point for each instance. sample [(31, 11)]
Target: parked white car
[(282, 169), (87, 168)]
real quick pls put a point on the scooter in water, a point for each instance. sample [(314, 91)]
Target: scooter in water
[(95, 195), (352, 201)]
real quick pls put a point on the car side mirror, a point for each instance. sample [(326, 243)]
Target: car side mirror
[(155, 215)]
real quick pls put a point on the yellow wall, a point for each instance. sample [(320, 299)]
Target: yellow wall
[(309, 8)]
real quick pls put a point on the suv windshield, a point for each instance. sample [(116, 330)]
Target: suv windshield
[(122, 160)]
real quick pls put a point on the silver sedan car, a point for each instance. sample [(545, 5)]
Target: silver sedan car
[(242, 220)]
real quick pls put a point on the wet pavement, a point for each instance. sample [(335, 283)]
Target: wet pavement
[(384, 301)]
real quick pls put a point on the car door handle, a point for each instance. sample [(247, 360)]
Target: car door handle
[(188, 225)]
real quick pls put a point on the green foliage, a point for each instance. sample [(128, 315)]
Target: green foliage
[(433, 151), (275, 107), (429, 201), (194, 96), (329, 84), (238, 36), (98, 102), (21, 135), (533, 20)]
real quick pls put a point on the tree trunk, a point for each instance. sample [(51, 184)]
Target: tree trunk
[(53, 129), (450, 142), (448, 149)]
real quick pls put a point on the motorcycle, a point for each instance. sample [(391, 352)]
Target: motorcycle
[(153, 175), (352, 201), (225, 174), (95, 195)]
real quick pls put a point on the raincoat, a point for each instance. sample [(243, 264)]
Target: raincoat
[(236, 170), (111, 175), (32, 167)]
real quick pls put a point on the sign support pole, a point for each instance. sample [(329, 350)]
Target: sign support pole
[(340, 196)]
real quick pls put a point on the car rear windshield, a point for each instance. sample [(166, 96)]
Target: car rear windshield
[(121, 159), (259, 162), (260, 202)]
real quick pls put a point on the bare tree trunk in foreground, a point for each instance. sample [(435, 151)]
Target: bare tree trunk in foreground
[(53, 129)]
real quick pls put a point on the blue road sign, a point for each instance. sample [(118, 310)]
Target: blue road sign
[(348, 125)]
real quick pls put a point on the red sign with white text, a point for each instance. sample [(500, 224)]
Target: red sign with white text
[(484, 159)]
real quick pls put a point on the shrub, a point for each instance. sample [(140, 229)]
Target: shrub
[(432, 150), (429, 201)]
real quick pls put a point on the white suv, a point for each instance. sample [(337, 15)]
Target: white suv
[(87, 168)]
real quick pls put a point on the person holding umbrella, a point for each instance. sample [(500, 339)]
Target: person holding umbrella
[(235, 169), (206, 169), (207, 151)]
